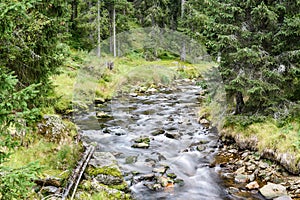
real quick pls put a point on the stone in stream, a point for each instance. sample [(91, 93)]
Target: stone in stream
[(142, 140), (285, 197), (200, 147), (158, 132), (151, 90), (164, 181), (204, 122), (102, 115), (160, 170), (240, 170), (263, 165), (172, 135), (131, 159), (253, 185), (153, 186), (148, 177), (133, 94), (172, 175), (241, 178), (233, 190), (99, 100), (271, 190), (141, 145)]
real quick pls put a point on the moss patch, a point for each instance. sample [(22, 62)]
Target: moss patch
[(112, 170)]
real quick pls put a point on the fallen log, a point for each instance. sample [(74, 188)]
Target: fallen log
[(78, 171)]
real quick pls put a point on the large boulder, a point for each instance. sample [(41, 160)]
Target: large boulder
[(271, 190)]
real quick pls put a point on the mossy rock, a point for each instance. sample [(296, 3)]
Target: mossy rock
[(122, 187), (112, 170), (145, 140), (107, 193)]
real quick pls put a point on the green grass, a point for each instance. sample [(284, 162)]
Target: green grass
[(130, 72), (284, 139), (56, 160)]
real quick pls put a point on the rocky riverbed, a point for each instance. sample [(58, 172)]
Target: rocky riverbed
[(244, 171), (163, 152)]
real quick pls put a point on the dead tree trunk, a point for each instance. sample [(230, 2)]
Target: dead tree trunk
[(239, 103), (78, 171)]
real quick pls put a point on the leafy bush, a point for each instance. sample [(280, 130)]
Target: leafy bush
[(243, 121), (16, 183)]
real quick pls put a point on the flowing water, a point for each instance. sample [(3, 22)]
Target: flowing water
[(185, 146)]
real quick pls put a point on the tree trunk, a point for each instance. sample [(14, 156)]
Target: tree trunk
[(183, 52), (74, 13), (182, 8), (239, 103), (99, 33), (114, 31)]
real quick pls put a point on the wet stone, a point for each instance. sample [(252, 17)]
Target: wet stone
[(200, 147), (141, 145), (101, 115), (172, 175), (148, 177), (285, 197), (253, 185), (160, 170), (131, 159), (158, 132), (172, 135), (233, 190), (241, 178), (108, 179), (263, 165)]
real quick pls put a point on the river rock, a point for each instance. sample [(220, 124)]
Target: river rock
[(103, 159), (131, 159), (240, 170), (263, 165), (133, 94), (163, 181), (253, 185), (172, 175), (101, 115), (172, 135), (108, 179), (158, 132), (141, 145), (200, 147), (148, 177), (50, 190), (151, 90), (251, 167), (110, 192), (241, 178), (99, 100), (160, 170), (285, 197), (233, 190), (142, 139), (271, 190), (204, 122), (153, 186)]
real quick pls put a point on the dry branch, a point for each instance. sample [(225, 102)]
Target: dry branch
[(78, 171)]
